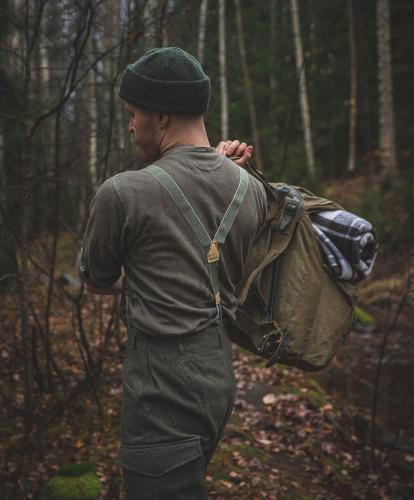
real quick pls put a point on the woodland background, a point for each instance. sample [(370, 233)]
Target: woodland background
[(322, 89)]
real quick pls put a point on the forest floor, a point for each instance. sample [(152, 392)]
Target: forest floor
[(292, 435)]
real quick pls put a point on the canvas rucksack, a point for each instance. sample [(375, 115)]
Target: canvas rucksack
[(292, 310)]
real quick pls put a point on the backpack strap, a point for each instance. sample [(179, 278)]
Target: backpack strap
[(210, 245)]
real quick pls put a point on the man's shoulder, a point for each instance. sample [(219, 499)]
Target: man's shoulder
[(134, 187), (131, 180), (128, 176), (259, 195)]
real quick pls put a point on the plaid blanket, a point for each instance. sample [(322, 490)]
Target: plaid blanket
[(349, 243)]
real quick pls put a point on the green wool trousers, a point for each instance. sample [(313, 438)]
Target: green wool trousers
[(178, 396)]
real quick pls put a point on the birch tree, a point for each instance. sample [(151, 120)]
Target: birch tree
[(202, 31), (165, 9), (387, 148), (93, 128), (248, 84), (150, 21), (303, 95), (353, 87), (272, 80), (223, 70)]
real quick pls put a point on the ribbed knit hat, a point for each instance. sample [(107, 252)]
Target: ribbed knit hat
[(168, 80)]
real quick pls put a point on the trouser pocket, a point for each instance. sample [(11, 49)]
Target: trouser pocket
[(172, 470)]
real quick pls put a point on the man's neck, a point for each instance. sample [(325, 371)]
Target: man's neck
[(184, 132)]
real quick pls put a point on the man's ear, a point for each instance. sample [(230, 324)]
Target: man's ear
[(163, 120)]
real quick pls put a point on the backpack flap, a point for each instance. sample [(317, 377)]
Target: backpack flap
[(313, 309)]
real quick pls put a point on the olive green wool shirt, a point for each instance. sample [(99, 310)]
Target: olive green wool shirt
[(134, 223)]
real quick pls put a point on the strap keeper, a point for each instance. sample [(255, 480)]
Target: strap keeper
[(213, 252), (217, 298)]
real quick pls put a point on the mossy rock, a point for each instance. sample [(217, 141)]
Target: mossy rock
[(74, 482)]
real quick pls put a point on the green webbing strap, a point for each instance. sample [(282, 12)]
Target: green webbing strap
[(209, 245)]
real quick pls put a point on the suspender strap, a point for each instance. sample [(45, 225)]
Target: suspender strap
[(182, 203), (233, 208), (211, 246)]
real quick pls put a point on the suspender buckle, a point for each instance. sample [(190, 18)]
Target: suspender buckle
[(213, 252)]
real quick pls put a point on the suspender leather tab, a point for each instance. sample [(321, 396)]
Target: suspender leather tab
[(213, 252)]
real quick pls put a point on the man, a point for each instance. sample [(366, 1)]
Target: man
[(178, 378)]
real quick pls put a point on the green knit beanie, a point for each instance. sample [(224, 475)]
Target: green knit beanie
[(168, 80)]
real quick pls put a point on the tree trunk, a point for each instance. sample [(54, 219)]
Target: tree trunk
[(223, 71), (272, 65), (23, 275), (202, 31), (303, 95), (248, 84), (353, 90), (25, 222), (164, 10), (385, 92), (150, 24), (93, 130)]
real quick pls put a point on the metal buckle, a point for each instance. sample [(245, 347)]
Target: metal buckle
[(272, 342)]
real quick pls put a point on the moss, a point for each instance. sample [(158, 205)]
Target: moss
[(225, 464), (314, 393), (364, 316), (223, 460), (234, 429), (248, 451), (318, 398), (73, 470), (303, 496), (84, 487), (244, 351)]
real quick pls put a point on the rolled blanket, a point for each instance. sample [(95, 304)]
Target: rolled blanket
[(349, 243)]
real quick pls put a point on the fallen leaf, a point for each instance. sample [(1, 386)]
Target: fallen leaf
[(79, 444), (269, 399)]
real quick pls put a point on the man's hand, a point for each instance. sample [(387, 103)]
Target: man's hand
[(115, 289), (236, 148)]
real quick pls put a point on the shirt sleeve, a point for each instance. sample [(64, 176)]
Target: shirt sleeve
[(101, 256), (262, 206)]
